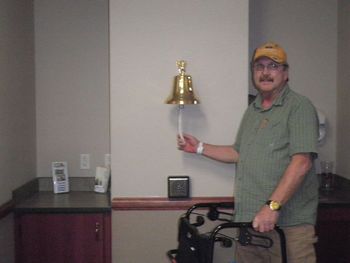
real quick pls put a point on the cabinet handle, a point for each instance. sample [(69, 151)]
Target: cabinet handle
[(97, 230)]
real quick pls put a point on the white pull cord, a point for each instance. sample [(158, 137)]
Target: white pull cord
[(179, 122)]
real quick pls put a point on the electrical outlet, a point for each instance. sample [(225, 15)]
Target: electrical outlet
[(85, 161)]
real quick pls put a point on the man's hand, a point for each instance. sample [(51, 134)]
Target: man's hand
[(189, 144), (265, 220), (221, 153)]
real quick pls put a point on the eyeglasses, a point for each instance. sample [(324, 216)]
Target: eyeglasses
[(270, 67)]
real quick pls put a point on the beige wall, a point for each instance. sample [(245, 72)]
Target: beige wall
[(308, 32), (146, 40), (17, 109), (72, 83), (146, 236), (343, 98), (143, 236)]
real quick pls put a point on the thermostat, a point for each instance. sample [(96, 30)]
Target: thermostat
[(178, 186)]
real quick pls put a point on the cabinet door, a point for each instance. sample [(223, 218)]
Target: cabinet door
[(333, 230), (57, 238)]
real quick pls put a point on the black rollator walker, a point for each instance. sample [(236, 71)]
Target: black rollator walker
[(196, 246)]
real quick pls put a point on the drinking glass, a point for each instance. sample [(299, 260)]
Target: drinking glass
[(327, 176)]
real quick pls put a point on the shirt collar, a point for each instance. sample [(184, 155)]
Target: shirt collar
[(277, 102)]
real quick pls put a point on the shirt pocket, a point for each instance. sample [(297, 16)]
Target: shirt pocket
[(274, 136)]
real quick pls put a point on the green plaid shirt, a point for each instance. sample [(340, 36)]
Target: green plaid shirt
[(266, 141)]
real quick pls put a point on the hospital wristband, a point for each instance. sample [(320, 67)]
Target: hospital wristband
[(200, 148)]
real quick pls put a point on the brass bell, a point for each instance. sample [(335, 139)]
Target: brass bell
[(182, 90)]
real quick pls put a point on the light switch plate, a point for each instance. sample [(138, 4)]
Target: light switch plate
[(178, 186)]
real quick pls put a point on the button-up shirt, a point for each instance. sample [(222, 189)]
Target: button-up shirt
[(266, 141)]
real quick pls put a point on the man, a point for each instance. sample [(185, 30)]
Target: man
[(275, 182)]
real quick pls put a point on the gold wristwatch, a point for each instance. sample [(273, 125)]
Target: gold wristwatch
[(274, 205)]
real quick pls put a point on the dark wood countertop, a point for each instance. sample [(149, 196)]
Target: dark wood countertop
[(35, 201), (339, 197), (72, 202)]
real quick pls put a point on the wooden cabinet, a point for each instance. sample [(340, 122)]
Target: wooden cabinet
[(333, 230), (63, 237)]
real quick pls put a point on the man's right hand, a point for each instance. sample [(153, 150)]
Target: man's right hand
[(221, 153), (188, 144)]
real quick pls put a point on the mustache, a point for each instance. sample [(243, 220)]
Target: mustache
[(266, 78)]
